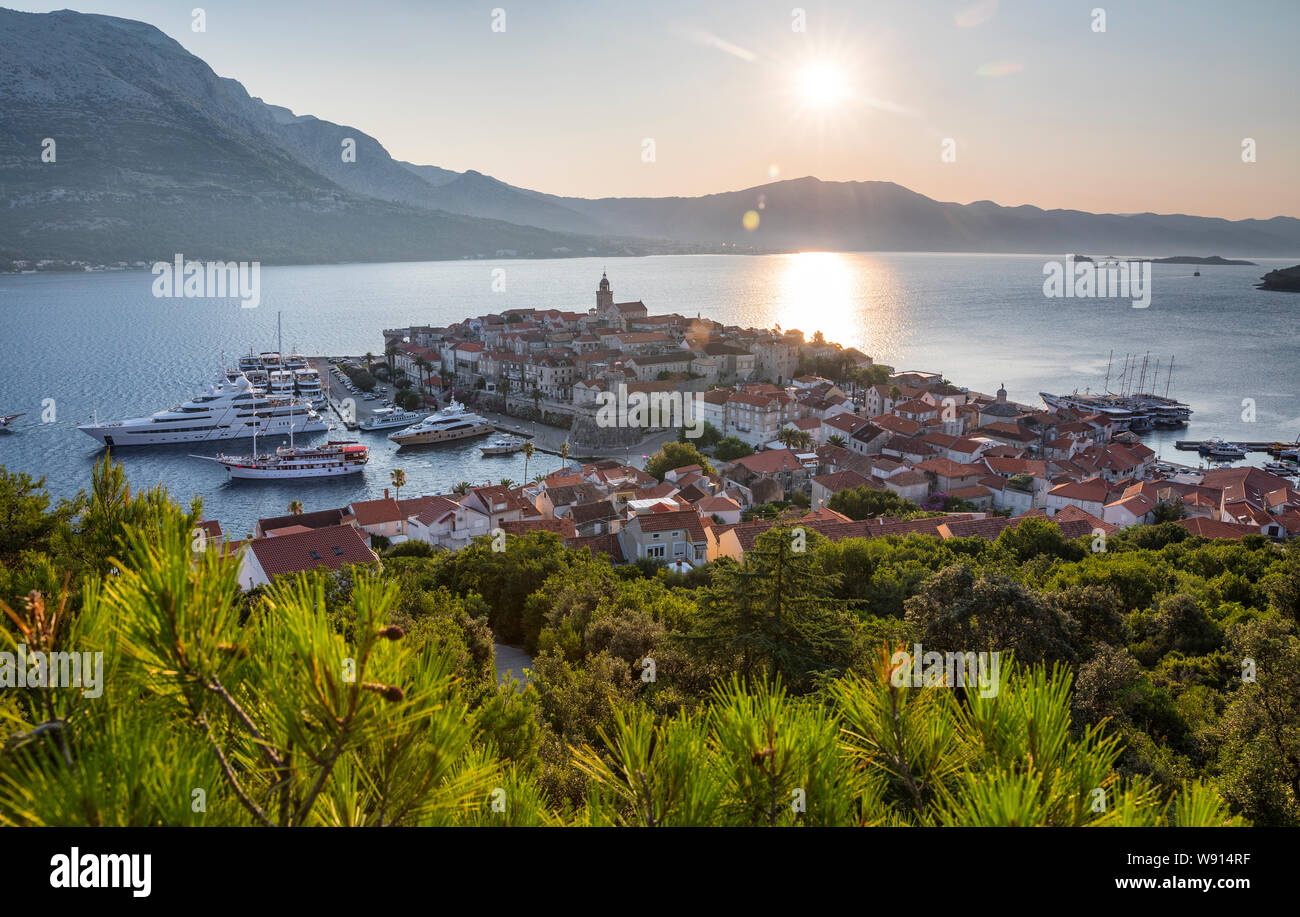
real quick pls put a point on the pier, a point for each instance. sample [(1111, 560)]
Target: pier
[(1272, 448)]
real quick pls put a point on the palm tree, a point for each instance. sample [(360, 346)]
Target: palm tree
[(390, 354), (539, 478), (420, 364), (398, 479), (506, 483), (462, 487), (835, 440), (564, 454), (370, 359), (295, 507), (528, 451)]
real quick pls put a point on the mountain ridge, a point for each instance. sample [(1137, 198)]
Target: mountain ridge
[(156, 151)]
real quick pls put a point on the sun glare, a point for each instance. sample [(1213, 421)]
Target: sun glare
[(822, 85)]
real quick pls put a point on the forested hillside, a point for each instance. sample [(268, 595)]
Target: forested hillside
[(1152, 683)]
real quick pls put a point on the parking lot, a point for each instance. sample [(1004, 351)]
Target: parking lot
[(347, 401)]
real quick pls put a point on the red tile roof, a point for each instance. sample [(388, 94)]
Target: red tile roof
[(770, 462), (376, 512), (686, 519), (330, 547), (562, 527)]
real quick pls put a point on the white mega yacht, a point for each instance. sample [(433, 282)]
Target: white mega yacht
[(231, 409), (451, 423), (307, 383)]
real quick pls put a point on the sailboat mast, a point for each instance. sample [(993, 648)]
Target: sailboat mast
[(1109, 359), (1169, 375)]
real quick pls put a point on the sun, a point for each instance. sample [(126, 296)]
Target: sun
[(822, 85)]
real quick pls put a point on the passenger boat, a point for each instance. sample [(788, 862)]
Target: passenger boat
[(7, 419), (389, 419), (451, 423), (333, 459), (330, 460), (503, 446), (1217, 448)]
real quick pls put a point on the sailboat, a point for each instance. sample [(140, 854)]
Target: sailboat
[(7, 419), (334, 458)]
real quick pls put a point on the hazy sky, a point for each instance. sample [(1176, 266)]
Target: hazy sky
[(1148, 115)]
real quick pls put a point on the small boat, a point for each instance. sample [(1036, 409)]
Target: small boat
[(503, 446), (1286, 469), (389, 419), (1218, 449), (1196, 273), (7, 419)]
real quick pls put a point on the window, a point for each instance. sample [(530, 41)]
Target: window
[(338, 552), (315, 555)]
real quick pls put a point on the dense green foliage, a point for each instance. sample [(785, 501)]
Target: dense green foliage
[(1154, 683), (676, 455), (865, 503)]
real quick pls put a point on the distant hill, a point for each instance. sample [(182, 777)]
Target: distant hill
[(156, 154), (1285, 280), (883, 216), (1210, 260)]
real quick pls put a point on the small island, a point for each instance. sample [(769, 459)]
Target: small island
[(1286, 280), (1196, 259)]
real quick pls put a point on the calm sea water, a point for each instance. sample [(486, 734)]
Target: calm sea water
[(103, 342)]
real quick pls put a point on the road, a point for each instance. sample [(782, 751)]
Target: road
[(512, 661)]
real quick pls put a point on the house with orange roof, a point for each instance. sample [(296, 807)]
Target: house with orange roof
[(909, 484), (1135, 509), (825, 486), (445, 523), (946, 475), (1075, 514), (1090, 496), (779, 465), (724, 509), (1211, 528), (900, 426), (328, 548), (383, 517), (665, 536), (976, 494)]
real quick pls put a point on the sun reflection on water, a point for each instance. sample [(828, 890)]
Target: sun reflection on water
[(849, 298)]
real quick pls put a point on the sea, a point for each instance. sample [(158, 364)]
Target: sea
[(78, 345)]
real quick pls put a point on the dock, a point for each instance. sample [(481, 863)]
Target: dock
[(1272, 447)]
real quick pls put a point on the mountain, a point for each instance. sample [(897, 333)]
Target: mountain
[(155, 154), (809, 213)]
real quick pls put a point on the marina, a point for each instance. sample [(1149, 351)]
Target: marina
[(338, 310)]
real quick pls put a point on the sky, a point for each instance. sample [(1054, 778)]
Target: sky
[(1031, 101)]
